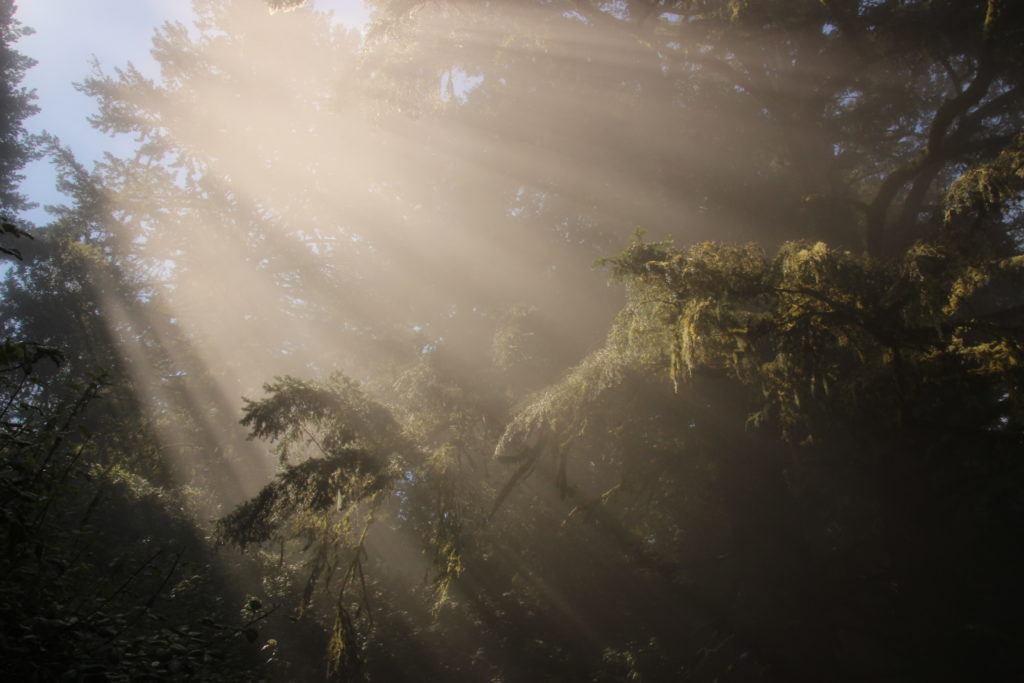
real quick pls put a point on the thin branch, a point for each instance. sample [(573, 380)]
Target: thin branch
[(935, 152)]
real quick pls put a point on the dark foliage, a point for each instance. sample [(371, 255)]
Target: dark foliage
[(17, 146), (100, 579), (793, 459)]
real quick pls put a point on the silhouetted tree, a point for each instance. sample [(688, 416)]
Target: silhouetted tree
[(17, 146)]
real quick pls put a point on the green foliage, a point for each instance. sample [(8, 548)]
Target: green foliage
[(823, 334), (989, 189), (98, 579), (17, 146), (337, 480), (329, 500), (816, 394), (353, 487), (335, 416)]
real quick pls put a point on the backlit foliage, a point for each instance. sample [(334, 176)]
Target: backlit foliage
[(783, 446), (820, 334)]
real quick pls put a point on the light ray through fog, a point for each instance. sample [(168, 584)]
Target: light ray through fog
[(304, 224), (309, 226), (315, 223), (377, 247)]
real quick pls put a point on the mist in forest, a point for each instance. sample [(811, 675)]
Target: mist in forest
[(516, 341), (300, 204), (300, 211)]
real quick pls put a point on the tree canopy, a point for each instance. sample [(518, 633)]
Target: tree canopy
[(783, 445), (17, 146)]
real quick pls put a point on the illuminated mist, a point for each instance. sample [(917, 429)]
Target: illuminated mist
[(299, 211), (304, 202), (412, 229)]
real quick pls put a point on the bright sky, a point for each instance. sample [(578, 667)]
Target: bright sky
[(68, 34)]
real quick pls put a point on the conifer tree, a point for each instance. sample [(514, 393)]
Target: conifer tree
[(17, 146)]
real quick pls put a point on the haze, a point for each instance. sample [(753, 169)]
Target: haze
[(546, 340)]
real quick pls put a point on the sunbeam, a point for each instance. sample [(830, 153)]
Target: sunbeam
[(318, 374)]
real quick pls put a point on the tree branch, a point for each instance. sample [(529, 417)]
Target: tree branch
[(935, 154)]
